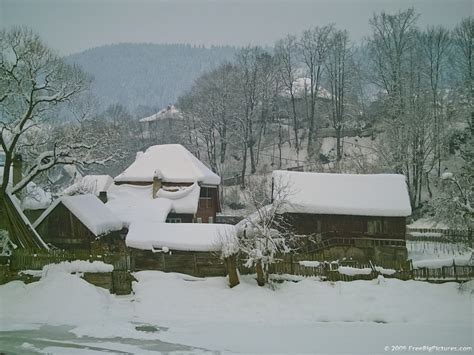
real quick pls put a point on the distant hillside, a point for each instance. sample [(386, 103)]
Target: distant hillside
[(147, 74)]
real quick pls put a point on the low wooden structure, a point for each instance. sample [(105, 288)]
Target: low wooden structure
[(345, 216), (89, 226), (199, 264), (361, 238)]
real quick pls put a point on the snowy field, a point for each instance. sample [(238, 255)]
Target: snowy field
[(62, 314), (438, 254)]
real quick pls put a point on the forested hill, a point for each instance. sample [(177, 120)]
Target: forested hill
[(147, 74)]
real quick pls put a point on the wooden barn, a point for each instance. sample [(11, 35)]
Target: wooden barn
[(82, 223), (362, 217), (170, 172)]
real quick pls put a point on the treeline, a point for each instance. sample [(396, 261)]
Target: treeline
[(144, 75), (412, 86)]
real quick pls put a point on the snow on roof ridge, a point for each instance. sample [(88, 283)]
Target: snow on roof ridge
[(176, 163), (345, 194), (165, 112), (89, 210)]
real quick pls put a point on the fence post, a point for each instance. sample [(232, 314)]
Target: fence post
[(195, 265), (455, 272)]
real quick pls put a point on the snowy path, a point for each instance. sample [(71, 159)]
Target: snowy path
[(189, 315)]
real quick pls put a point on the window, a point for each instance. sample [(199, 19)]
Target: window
[(173, 220), (374, 226), (211, 219), (205, 198)]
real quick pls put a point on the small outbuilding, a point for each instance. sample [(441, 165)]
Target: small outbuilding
[(80, 222), (346, 215)]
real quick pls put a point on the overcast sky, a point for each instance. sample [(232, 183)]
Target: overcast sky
[(71, 26)]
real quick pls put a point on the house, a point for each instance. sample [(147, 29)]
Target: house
[(166, 201), (169, 112), (346, 215), (80, 222), (171, 172), (161, 125)]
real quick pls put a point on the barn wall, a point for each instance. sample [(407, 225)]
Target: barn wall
[(208, 204), (362, 238), (65, 231), (348, 226)]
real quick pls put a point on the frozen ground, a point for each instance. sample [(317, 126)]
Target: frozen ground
[(432, 251), (62, 314)]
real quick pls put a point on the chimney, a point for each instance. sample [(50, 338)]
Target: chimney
[(157, 180), (17, 168), (103, 196)]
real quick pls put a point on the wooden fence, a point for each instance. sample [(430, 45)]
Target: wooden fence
[(331, 271), (207, 264), (440, 235), (26, 260)]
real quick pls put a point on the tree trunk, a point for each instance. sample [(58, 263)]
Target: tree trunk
[(231, 262), (295, 126), (338, 144), (253, 165), (244, 167), (260, 273)]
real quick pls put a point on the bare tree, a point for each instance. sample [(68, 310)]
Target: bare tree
[(287, 57), (463, 35), (396, 57), (265, 234), (436, 44), (34, 82), (393, 36), (339, 70), (314, 45), (207, 108), (454, 205)]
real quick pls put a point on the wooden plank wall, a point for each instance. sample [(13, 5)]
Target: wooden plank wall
[(198, 264)]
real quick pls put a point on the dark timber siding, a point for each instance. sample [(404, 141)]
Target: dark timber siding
[(348, 226), (345, 236), (65, 231)]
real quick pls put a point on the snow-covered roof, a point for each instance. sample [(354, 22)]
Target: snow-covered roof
[(344, 194), (168, 112), (173, 162), (90, 184), (133, 203), (181, 236), (36, 198), (89, 210), (302, 85)]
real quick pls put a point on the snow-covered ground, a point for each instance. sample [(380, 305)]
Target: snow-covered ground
[(63, 314), (438, 254)]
